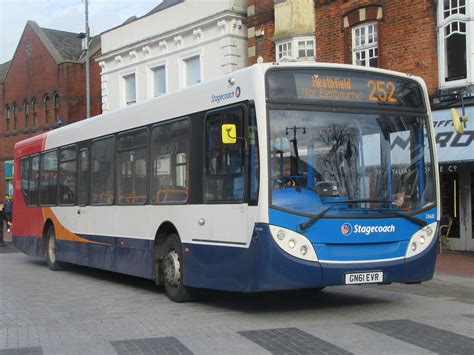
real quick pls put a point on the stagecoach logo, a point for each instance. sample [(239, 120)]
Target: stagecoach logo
[(226, 96), (346, 229)]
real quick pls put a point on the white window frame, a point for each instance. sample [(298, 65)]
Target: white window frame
[(443, 23), (305, 40), (367, 47), (123, 87), (182, 65), (284, 50), (283, 53), (151, 77)]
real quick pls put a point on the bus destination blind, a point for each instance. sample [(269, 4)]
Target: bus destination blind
[(344, 87)]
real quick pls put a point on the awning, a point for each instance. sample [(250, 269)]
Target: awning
[(453, 147)]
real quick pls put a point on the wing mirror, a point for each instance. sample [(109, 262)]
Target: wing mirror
[(458, 121)]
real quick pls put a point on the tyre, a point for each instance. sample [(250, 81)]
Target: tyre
[(172, 269), (53, 264)]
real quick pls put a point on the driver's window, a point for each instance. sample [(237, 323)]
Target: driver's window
[(225, 162)]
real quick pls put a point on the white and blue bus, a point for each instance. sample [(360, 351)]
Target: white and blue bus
[(273, 177)]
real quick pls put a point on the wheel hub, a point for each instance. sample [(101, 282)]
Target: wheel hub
[(171, 268)]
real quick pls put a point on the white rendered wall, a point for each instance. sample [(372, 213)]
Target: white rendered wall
[(214, 30)]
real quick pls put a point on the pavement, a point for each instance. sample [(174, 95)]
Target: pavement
[(460, 263)]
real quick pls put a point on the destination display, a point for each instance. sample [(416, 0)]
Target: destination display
[(343, 86)]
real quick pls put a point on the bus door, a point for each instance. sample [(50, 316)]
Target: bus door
[(225, 215)]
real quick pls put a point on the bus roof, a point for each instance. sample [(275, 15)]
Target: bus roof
[(208, 95)]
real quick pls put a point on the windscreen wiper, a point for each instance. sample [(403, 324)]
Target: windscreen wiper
[(341, 202), (313, 220), (412, 219)]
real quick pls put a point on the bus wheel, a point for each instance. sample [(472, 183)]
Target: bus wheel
[(173, 270), (53, 264)]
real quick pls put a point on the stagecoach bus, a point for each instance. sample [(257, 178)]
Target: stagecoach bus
[(276, 176)]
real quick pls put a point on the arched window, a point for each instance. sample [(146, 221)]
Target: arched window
[(361, 27), (15, 116), (34, 112), (26, 110), (7, 117), (46, 108), (453, 34), (365, 51), (455, 50), (56, 107)]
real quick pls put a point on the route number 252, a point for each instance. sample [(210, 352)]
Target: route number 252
[(382, 91)]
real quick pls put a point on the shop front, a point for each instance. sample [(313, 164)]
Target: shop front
[(456, 160)]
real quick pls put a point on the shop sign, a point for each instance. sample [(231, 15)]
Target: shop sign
[(452, 147)]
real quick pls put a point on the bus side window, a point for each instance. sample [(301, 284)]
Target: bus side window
[(33, 181), (67, 176), (49, 178), (83, 175), (170, 162), (102, 171), (132, 176), (25, 169)]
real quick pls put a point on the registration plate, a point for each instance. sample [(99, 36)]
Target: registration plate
[(364, 277)]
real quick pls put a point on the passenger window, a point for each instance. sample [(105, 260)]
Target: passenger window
[(83, 177), (132, 167), (170, 162), (49, 178), (25, 169), (34, 181), (67, 176), (225, 162), (102, 171)]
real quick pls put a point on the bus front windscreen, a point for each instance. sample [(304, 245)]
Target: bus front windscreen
[(361, 162)]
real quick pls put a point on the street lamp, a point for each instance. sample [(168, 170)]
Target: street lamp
[(88, 98)]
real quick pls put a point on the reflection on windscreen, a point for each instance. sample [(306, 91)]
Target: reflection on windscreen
[(318, 158)]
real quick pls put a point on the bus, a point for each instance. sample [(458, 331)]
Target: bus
[(273, 177)]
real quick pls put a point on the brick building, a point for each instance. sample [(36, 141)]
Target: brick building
[(404, 33), (42, 87), (433, 39)]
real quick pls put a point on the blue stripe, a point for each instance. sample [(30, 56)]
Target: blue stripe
[(263, 266), (29, 245), (134, 257), (129, 256)]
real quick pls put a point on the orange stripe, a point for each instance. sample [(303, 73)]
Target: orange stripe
[(62, 233)]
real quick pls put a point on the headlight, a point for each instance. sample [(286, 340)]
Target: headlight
[(293, 243), (421, 240), (281, 234)]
